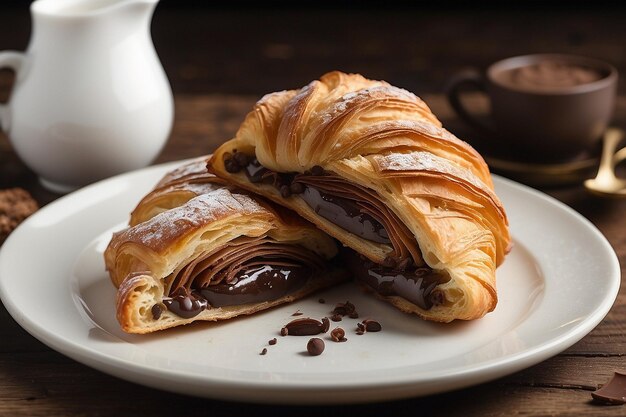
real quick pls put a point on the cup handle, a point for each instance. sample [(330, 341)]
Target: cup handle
[(460, 82), (13, 60)]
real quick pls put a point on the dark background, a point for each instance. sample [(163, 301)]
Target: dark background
[(416, 45)]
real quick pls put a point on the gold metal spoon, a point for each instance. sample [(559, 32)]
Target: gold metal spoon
[(606, 184)]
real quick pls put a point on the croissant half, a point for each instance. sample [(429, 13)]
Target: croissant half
[(198, 250), (370, 164)]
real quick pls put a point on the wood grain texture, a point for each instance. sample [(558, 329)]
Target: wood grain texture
[(229, 61)]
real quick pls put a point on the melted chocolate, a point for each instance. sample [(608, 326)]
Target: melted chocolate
[(256, 285), (346, 214), (185, 304), (415, 285)]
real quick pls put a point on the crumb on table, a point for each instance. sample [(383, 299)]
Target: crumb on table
[(16, 204)]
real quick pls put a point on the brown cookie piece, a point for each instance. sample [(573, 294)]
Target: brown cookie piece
[(16, 204)]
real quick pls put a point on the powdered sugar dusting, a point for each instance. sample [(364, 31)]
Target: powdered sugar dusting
[(200, 188), (353, 98), (159, 231), (195, 167)]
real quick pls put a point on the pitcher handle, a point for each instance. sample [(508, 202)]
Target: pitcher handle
[(13, 60), (468, 79)]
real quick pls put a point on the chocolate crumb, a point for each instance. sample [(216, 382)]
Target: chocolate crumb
[(336, 317), (613, 392), (344, 309), (273, 341), (315, 347), (338, 334), (360, 332), (353, 315), (325, 324), (284, 331), (360, 327), (284, 191), (297, 313), (317, 170), (372, 325), (156, 311), (304, 327), (321, 301), (264, 351), (296, 188)]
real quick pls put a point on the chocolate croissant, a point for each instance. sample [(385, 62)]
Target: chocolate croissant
[(370, 164), (202, 251)]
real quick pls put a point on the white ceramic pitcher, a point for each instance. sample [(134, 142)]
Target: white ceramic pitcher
[(90, 98)]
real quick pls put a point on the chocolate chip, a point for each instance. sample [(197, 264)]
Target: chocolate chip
[(344, 309), (353, 315), (296, 188), (264, 351), (338, 334), (336, 317), (273, 341), (321, 301), (340, 310), (372, 325), (284, 191), (304, 327), (242, 159), (317, 170), (232, 166), (325, 324), (156, 311), (315, 347)]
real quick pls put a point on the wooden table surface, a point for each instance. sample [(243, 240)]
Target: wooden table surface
[(37, 381)]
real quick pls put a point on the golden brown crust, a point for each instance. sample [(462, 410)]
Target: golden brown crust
[(142, 260), (387, 140), (139, 292)]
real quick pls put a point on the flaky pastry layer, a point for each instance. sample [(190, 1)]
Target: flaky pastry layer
[(190, 214), (387, 140)]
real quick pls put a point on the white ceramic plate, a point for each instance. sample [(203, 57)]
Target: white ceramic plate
[(557, 284)]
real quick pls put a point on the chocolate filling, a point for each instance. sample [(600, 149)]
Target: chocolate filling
[(246, 270), (346, 214), (256, 285), (352, 207), (416, 286), (185, 304), (361, 211)]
